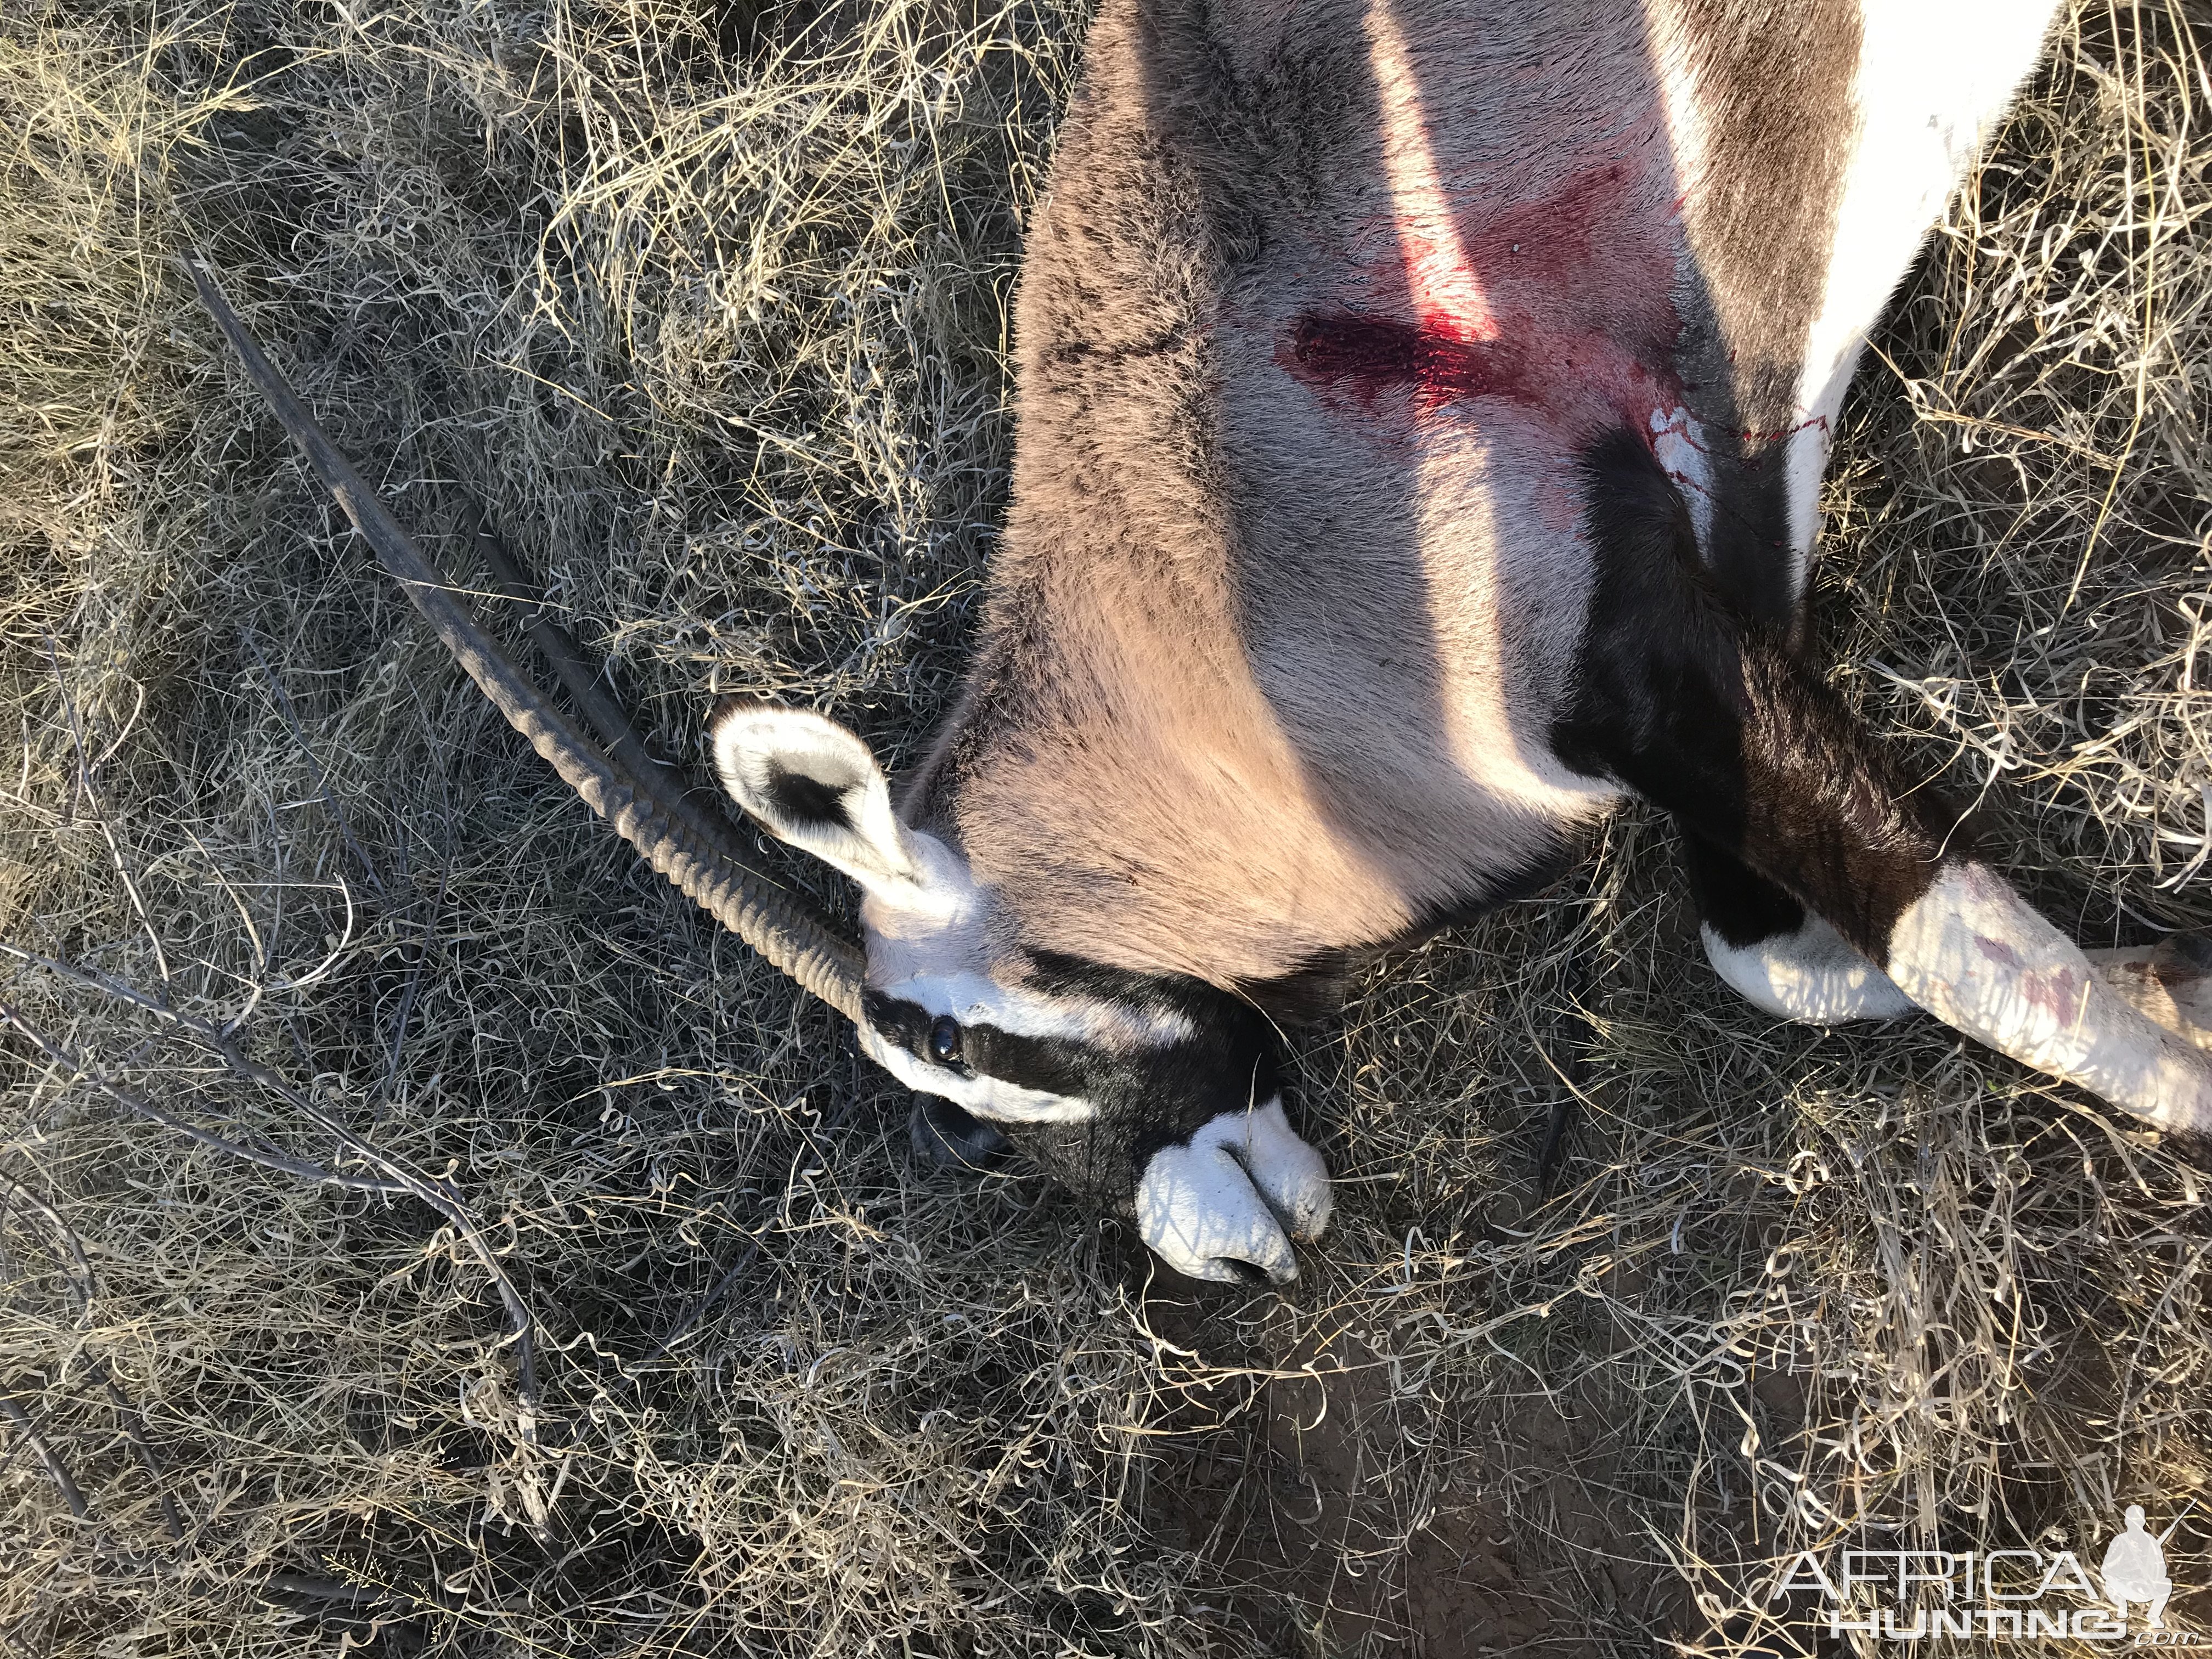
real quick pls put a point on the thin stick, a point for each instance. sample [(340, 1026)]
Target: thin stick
[(21, 1419), (100, 813), (67, 1233), (134, 1429), (704, 1306), (267, 1158), (440, 1195)]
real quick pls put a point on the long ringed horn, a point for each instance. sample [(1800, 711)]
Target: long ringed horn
[(674, 837)]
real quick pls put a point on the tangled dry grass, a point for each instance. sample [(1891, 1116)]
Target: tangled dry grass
[(584, 1297)]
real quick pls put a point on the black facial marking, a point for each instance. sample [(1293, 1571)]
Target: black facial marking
[(806, 799), (1145, 1093), (906, 1026), (1704, 710)]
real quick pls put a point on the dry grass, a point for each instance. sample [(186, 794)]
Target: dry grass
[(714, 316)]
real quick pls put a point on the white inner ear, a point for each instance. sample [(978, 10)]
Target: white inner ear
[(816, 785)]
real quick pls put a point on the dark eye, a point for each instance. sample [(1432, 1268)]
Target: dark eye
[(944, 1040)]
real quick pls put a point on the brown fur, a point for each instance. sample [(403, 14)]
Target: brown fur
[(1774, 89), (1269, 661)]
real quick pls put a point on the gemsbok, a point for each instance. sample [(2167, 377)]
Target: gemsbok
[(1422, 409)]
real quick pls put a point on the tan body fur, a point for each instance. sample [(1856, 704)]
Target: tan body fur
[(1422, 409), (1302, 645)]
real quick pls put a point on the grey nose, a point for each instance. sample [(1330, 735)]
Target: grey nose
[(950, 1138)]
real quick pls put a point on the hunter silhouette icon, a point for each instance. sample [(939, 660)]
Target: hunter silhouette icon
[(2135, 1569)]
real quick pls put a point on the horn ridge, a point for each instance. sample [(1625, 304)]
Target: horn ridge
[(617, 739), (781, 927)]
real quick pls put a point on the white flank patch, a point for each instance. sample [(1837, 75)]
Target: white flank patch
[(1225, 1196), (1972, 953), (1932, 80), (1812, 976)]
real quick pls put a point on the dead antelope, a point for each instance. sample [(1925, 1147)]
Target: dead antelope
[(1423, 405)]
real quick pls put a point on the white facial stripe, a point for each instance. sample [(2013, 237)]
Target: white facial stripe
[(927, 945), (987, 1097), (1204, 1205), (1972, 953), (978, 999), (1812, 975)]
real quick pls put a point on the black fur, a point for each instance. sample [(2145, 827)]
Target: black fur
[(1704, 712), (1748, 547), (1312, 991), (944, 1135), (807, 800), (1741, 906), (1144, 1098)]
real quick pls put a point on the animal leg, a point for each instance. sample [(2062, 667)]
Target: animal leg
[(1776, 954), (2171, 982), (1710, 716), (1781, 958)]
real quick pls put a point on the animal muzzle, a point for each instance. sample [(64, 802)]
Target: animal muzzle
[(1228, 1201)]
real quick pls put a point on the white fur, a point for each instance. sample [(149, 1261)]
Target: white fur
[(928, 944), (1932, 81), (989, 1098), (1972, 953), (751, 745), (1228, 1195), (1812, 975), (974, 997), (922, 913)]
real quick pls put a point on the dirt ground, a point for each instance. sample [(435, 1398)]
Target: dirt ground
[(1304, 1511), (685, 1354)]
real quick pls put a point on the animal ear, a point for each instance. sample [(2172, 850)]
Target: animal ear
[(815, 785)]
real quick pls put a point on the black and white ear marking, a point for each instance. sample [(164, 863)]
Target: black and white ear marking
[(815, 785)]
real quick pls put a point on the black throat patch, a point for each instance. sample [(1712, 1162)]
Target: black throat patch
[(1145, 1094)]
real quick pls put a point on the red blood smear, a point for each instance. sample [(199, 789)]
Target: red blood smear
[(1573, 318), (1372, 353)]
